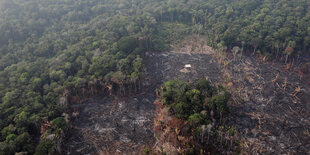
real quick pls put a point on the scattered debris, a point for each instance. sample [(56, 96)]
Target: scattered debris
[(271, 110), (107, 124)]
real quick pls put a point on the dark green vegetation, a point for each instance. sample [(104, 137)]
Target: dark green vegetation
[(204, 109), (188, 103), (47, 47)]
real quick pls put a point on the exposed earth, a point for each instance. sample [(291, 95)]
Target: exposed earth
[(271, 110), (112, 126), (273, 113)]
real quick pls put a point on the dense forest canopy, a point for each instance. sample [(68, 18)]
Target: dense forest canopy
[(47, 47)]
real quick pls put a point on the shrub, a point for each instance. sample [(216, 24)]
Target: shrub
[(59, 123), (196, 119), (147, 151)]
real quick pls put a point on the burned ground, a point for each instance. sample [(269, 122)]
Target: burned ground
[(273, 115), (271, 110), (162, 67), (111, 125)]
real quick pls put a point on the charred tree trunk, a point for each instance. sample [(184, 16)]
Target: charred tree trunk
[(135, 85), (254, 50), (286, 57)]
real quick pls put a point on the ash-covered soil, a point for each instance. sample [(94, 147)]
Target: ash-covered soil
[(274, 114), (272, 108), (111, 125), (271, 113), (162, 67)]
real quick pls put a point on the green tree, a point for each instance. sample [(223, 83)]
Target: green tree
[(44, 147), (194, 97), (174, 91), (59, 123), (127, 44), (196, 119)]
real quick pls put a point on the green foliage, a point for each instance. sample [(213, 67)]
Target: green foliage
[(59, 123), (44, 147), (169, 33), (202, 113), (10, 129), (196, 119), (16, 143), (24, 78), (174, 91), (10, 137), (47, 47), (137, 64), (127, 44), (182, 110), (188, 104), (219, 102), (22, 138), (147, 151), (194, 97), (160, 45), (22, 119), (204, 86)]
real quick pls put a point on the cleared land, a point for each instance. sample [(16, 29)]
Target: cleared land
[(271, 111)]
